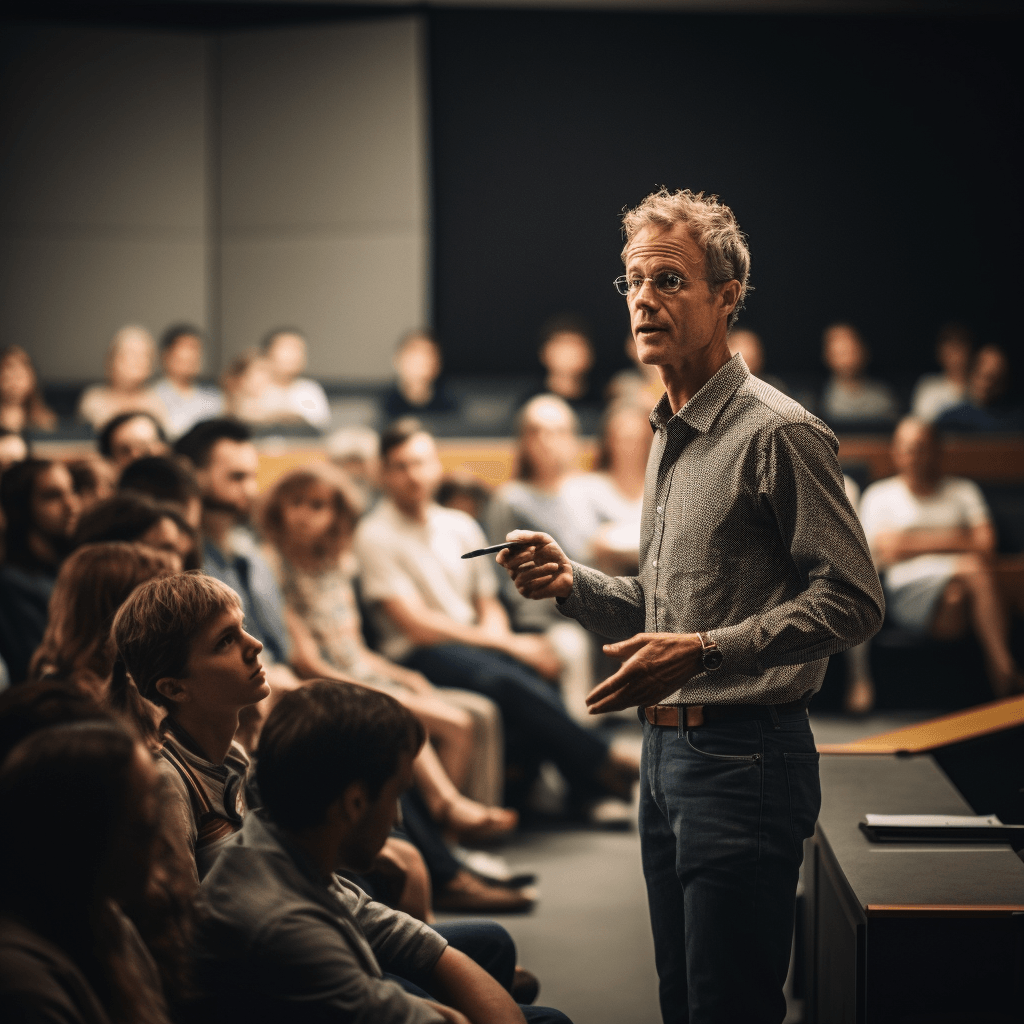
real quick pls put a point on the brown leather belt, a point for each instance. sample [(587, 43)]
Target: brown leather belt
[(697, 714)]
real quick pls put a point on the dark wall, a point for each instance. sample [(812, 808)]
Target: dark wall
[(875, 164)]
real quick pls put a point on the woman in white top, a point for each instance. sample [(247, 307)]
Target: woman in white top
[(934, 393), (933, 542)]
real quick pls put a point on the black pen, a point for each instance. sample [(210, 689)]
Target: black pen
[(494, 548)]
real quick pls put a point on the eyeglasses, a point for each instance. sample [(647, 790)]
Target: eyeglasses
[(667, 283)]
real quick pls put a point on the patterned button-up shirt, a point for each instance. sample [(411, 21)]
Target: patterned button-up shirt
[(748, 535)]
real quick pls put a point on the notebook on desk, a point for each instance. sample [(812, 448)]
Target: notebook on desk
[(941, 828)]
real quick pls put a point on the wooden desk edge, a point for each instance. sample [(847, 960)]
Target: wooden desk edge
[(943, 910)]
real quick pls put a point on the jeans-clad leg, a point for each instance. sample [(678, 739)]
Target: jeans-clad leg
[(528, 704), (723, 814)]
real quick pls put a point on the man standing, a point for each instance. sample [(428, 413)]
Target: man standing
[(753, 570)]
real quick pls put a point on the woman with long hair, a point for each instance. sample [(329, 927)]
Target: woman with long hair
[(308, 520), (22, 406), (92, 584), (68, 950)]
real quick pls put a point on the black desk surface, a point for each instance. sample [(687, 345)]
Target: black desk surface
[(911, 874)]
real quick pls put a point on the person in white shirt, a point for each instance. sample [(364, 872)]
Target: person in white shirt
[(934, 393), (933, 541), (291, 396), (187, 403)]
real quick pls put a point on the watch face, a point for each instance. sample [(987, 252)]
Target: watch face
[(713, 659)]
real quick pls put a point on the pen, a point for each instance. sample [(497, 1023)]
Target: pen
[(498, 547)]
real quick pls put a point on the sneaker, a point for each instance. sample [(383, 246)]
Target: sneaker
[(492, 869)]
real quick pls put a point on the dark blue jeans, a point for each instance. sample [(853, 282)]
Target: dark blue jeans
[(533, 713), (724, 810)]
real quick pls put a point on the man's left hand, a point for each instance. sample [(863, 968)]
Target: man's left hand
[(653, 666)]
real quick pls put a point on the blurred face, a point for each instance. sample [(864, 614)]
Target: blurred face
[(17, 380), (131, 363), (166, 535), (183, 361), (229, 482), (287, 356), (628, 438), (224, 670), (748, 344), (307, 515), (845, 356), (418, 361), (412, 473), (671, 329), (135, 439), (567, 353), (989, 377), (55, 506), (12, 449), (915, 451), (954, 357), (549, 438), (378, 818)]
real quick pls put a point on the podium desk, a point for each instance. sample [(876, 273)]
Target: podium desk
[(907, 933)]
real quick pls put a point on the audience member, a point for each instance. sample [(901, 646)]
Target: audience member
[(166, 479), (567, 356), (356, 451), (618, 483), (308, 520), (21, 402), (187, 402), (133, 517), (244, 383), (283, 937), (13, 448), (130, 360), (439, 614), (934, 393), (990, 407), (94, 478), (291, 396), (464, 492), (551, 494), (850, 396), (92, 584), (418, 387), (932, 538), (68, 951), (749, 345), (130, 436), (640, 384), (41, 509)]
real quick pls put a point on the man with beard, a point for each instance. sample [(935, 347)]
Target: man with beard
[(40, 509)]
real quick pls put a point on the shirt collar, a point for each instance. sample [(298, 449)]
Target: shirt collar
[(701, 411)]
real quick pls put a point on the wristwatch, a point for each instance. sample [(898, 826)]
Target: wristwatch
[(712, 656)]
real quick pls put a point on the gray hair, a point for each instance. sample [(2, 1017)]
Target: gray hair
[(713, 226)]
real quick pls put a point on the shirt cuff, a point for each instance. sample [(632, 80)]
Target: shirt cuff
[(738, 646), (583, 591)]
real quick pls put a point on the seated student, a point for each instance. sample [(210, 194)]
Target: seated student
[(282, 936), (168, 480), (750, 346), (932, 540), (934, 393), (94, 478), (22, 406), (186, 401), (130, 436), (850, 396), (356, 451), (990, 408), (567, 355), (68, 952), (291, 396), (418, 386), (40, 508), (308, 519), (441, 616), (136, 517), (130, 360), (91, 585)]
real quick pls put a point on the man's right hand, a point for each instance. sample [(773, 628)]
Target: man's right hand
[(540, 570)]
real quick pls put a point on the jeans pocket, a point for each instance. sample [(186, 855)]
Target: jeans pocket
[(709, 740), (804, 794)]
